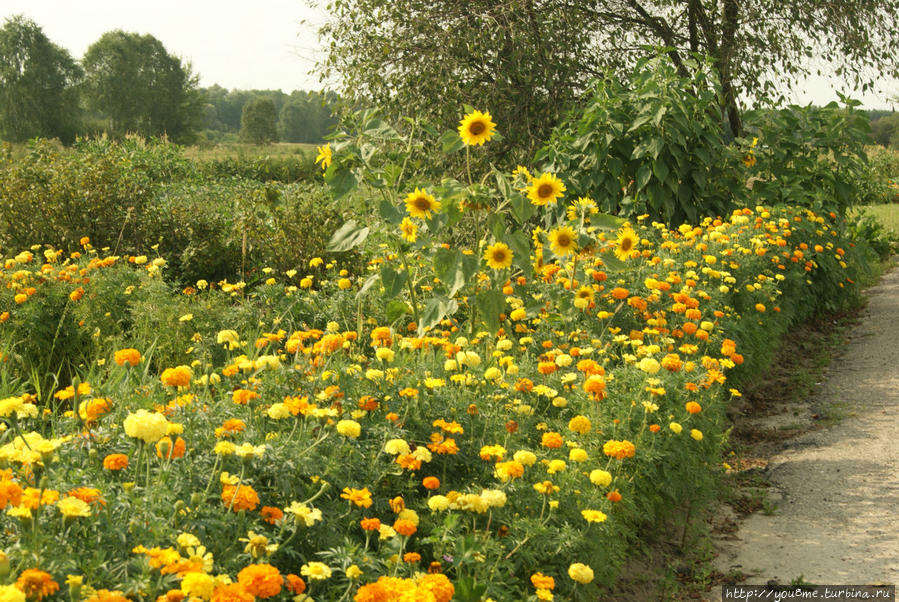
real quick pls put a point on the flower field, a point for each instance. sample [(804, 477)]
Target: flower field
[(501, 422)]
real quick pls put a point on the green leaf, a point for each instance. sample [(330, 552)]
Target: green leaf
[(390, 212), (520, 244), (604, 221), (643, 175), (369, 282), (496, 224), (450, 142), (503, 184), (612, 263), (490, 304), (522, 208), (341, 180), (393, 281), (397, 308), (348, 236), (436, 309)]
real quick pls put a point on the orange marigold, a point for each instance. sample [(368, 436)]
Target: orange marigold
[(541, 581), (404, 527), (619, 449), (370, 524), (178, 376), (36, 584), (240, 497), (127, 356), (552, 440), (166, 448), (261, 580), (115, 462), (233, 592), (430, 483), (693, 407), (271, 515), (296, 584)]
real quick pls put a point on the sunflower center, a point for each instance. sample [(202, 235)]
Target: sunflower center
[(477, 128), (563, 240), (499, 256), (422, 204), (626, 244)]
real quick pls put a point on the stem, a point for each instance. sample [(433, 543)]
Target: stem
[(411, 288)]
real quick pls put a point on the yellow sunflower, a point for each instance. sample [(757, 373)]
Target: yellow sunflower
[(498, 256), (586, 293), (545, 189), (324, 155), (408, 229), (563, 241), (627, 240), (476, 128), (421, 204)]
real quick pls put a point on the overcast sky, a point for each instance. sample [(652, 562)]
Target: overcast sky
[(259, 44)]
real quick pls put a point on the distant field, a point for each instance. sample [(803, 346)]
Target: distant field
[(888, 215), (244, 151)]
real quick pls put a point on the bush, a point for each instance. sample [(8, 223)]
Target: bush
[(654, 144), (810, 156)]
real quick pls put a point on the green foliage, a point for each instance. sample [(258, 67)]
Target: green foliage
[(878, 181), (38, 94), (268, 168), (885, 130), (259, 121), (142, 88), (132, 195), (652, 145), (810, 156), (527, 62)]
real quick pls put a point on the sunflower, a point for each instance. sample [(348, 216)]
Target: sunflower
[(498, 256), (586, 293), (421, 204), (408, 229), (324, 155), (545, 189), (627, 240), (476, 128), (563, 241)]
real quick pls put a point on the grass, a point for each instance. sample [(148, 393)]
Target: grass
[(238, 150), (887, 215)]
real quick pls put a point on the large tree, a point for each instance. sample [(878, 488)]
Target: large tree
[(526, 60), (140, 87), (38, 79), (259, 121)]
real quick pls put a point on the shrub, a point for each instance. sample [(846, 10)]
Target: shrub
[(654, 144)]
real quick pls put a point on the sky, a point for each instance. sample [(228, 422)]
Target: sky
[(260, 44)]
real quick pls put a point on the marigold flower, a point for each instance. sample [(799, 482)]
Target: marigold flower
[(270, 514), (316, 571), (580, 572), (370, 524), (552, 440), (696, 434), (72, 507), (165, 448), (179, 376), (619, 449), (239, 497), (36, 584), (541, 581), (580, 424), (430, 483), (349, 428), (261, 580), (147, 426), (232, 592), (693, 408), (601, 478), (593, 516), (404, 527), (127, 356), (360, 497)]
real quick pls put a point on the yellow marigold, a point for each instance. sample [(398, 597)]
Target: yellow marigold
[(243, 396), (580, 424), (127, 356), (72, 507), (147, 426), (580, 572), (316, 571), (360, 497), (36, 584), (593, 516), (261, 580), (179, 376), (541, 581), (198, 585), (619, 449), (600, 478), (10, 593)]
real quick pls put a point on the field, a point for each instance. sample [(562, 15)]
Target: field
[(221, 386)]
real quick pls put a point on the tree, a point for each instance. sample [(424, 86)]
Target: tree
[(140, 87), (259, 121), (38, 79), (526, 60)]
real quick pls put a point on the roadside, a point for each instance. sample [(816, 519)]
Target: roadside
[(828, 497)]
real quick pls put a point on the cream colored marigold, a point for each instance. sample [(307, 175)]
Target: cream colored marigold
[(150, 427)]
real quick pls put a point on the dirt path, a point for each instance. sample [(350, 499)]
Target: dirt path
[(836, 519)]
